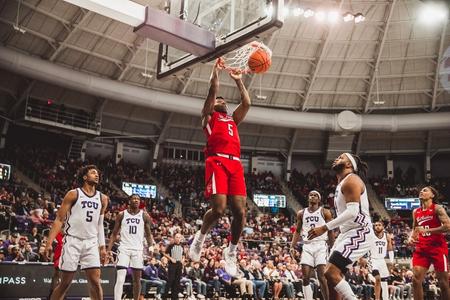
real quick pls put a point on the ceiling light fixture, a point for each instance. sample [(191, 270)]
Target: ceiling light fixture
[(16, 25), (320, 16), (308, 13), (359, 17), (145, 74), (333, 16), (431, 13), (348, 17), (298, 12)]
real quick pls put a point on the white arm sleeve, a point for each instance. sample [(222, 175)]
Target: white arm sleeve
[(349, 214), (101, 231), (391, 256)]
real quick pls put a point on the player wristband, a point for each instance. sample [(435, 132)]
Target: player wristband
[(391, 256), (349, 214)]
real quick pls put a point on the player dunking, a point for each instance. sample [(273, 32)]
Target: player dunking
[(132, 224), (224, 174), (430, 223), (82, 212), (356, 236), (315, 252), (383, 246)]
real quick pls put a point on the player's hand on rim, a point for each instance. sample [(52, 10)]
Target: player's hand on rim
[(220, 63), (236, 74), (317, 231)]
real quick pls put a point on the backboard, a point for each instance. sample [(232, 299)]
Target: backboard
[(234, 23)]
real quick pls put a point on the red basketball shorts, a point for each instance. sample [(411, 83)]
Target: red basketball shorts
[(224, 176), (437, 256)]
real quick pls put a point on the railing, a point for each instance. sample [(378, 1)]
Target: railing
[(59, 116)]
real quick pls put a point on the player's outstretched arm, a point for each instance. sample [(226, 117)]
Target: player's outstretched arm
[(413, 236), (148, 230), (115, 231), (208, 106), (445, 222), (390, 248), (68, 201), (101, 230), (329, 217), (352, 189), (241, 111), (296, 237)]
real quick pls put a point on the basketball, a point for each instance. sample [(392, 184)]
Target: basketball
[(259, 61)]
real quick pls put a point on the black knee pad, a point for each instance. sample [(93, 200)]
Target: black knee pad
[(375, 272), (337, 259)]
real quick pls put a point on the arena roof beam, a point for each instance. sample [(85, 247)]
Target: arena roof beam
[(22, 97), (130, 56), (51, 41), (65, 23), (438, 63), (347, 51), (42, 70), (379, 52), (320, 56), (62, 45)]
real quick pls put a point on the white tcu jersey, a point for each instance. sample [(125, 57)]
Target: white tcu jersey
[(363, 218), (380, 250), (82, 219), (132, 231), (312, 220)]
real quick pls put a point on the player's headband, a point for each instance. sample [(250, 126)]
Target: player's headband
[(352, 160), (317, 193)]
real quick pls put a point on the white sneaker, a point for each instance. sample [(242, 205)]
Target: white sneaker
[(200, 296), (180, 295), (196, 248), (230, 262)]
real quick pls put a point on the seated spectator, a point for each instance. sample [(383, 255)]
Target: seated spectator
[(210, 276), (150, 277), (286, 280), (196, 275), (245, 285), (272, 274)]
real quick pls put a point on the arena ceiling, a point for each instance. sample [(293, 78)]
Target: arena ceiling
[(316, 68)]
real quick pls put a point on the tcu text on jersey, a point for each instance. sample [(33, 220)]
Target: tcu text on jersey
[(89, 204)]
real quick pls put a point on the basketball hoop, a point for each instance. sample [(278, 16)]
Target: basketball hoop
[(238, 60)]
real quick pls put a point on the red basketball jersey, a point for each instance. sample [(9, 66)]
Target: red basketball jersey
[(222, 135), (427, 218)]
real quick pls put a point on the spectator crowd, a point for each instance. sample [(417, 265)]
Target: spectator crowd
[(266, 266)]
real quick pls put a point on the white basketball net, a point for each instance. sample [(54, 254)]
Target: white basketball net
[(237, 60)]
